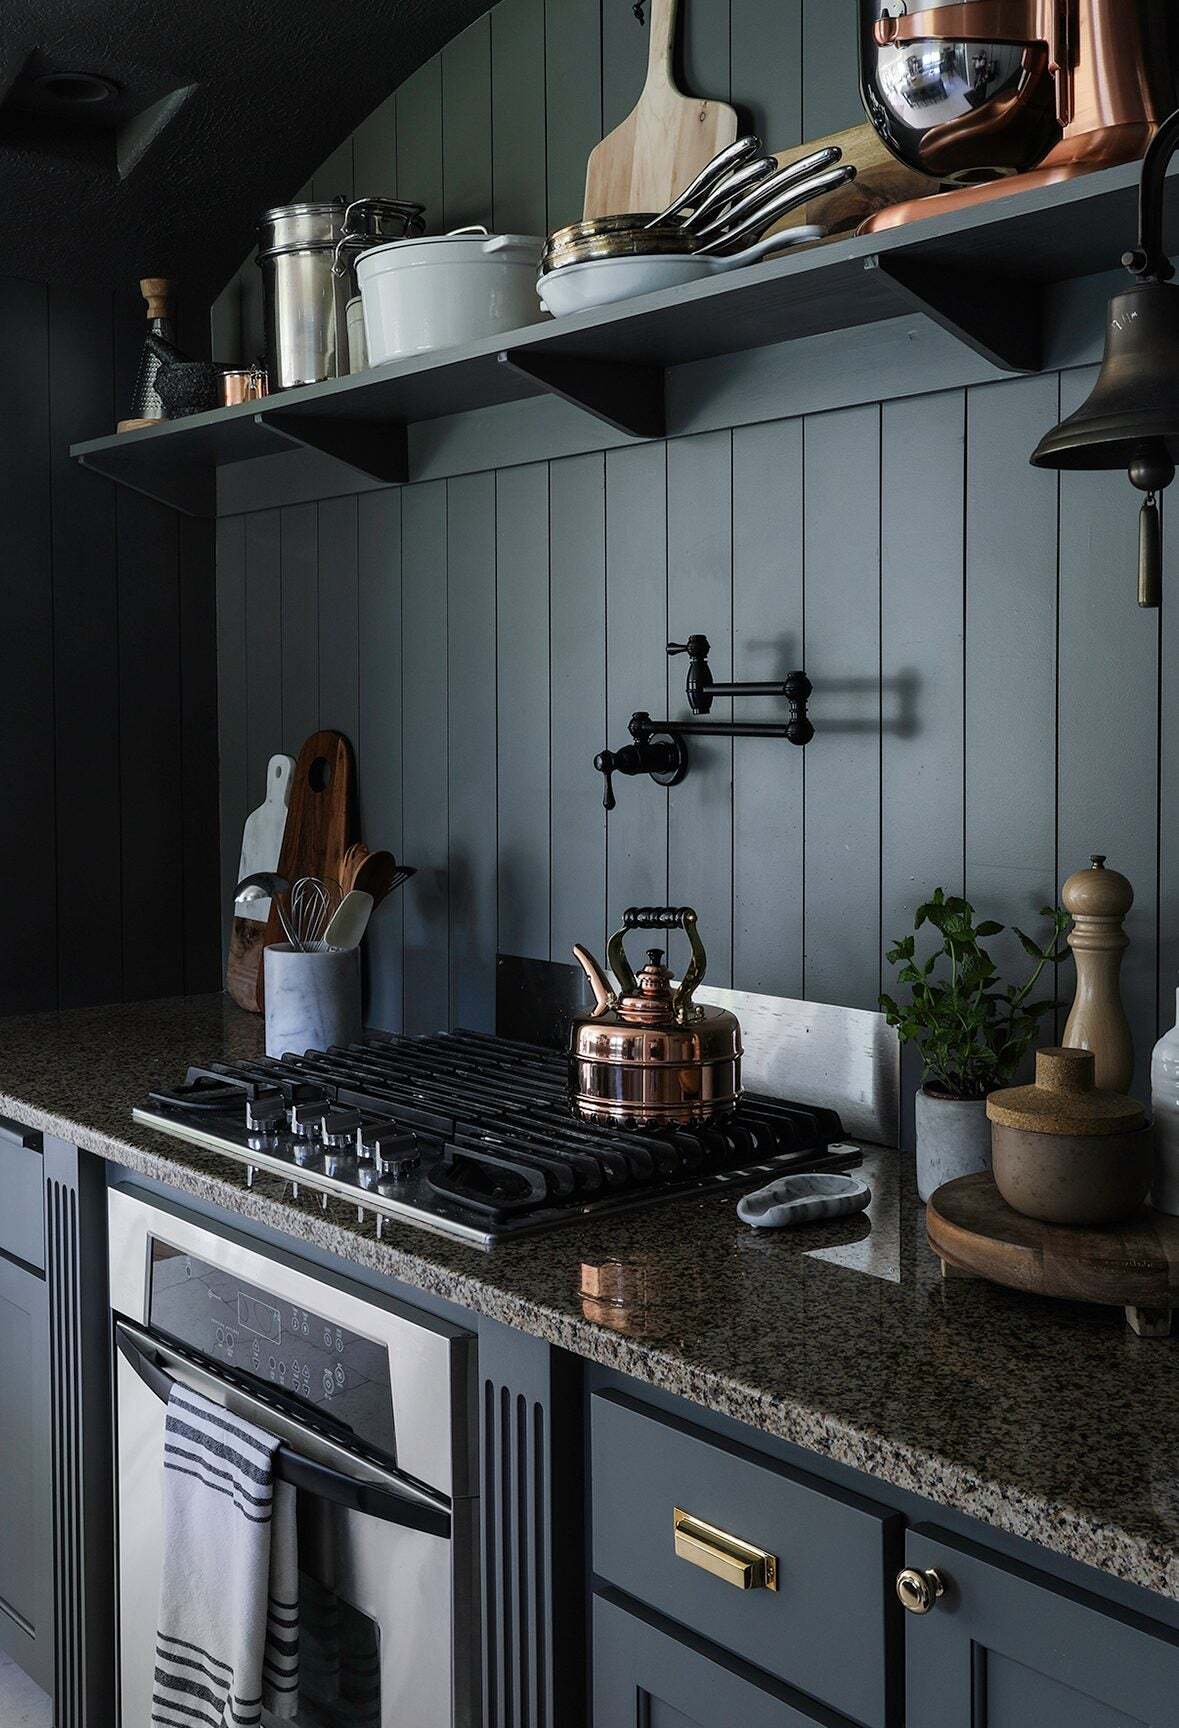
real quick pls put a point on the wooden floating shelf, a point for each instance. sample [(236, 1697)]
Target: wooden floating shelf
[(982, 274)]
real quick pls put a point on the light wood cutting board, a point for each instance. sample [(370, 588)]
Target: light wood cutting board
[(880, 180), (665, 140)]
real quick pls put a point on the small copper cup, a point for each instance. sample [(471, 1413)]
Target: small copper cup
[(242, 384)]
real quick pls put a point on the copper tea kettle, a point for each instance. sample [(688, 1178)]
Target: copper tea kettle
[(646, 1054)]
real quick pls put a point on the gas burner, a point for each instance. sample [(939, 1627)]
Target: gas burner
[(472, 1136)]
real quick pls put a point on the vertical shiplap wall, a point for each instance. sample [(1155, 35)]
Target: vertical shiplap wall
[(990, 705), (108, 869)]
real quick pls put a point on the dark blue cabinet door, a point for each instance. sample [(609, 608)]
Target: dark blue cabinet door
[(1005, 1647), (26, 1578), (649, 1674)]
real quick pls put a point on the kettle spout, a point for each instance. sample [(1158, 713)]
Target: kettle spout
[(604, 998)]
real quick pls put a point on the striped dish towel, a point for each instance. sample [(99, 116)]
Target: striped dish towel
[(227, 1646)]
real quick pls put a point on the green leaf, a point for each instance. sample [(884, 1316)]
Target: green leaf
[(989, 928)]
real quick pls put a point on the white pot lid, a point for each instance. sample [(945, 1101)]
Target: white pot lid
[(462, 247)]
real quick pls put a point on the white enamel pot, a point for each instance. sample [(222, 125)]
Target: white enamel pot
[(601, 281), (446, 289)]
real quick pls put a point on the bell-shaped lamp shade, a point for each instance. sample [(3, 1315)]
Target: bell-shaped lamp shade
[(1131, 420)]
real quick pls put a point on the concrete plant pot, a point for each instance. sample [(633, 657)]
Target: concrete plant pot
[(953, 1139)]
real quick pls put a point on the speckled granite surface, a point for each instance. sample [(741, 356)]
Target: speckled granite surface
[(1052, 1422)]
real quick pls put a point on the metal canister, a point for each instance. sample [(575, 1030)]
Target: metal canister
[(305, 295)]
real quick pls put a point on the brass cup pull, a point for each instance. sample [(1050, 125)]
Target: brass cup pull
[(919, 1591), (726, 1557)]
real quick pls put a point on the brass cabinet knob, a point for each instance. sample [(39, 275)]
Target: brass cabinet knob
[(919, 1591)]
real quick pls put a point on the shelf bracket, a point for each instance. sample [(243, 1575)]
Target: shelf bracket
[(1000, 319), (191, 491), (377, 448), (629, 398)]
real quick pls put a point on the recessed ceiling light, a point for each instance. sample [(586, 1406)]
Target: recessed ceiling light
[(76, 89)]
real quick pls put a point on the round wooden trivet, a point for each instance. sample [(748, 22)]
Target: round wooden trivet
[(1134, 1265)]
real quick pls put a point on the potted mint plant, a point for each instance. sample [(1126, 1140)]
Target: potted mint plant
[(972, 1031)]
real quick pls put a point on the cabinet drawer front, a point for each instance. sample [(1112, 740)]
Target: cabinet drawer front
[(22, 1216), (648, 1675), (1004, 1645), (829, 1626)]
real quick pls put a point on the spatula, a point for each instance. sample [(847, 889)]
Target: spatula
[(665, 140)]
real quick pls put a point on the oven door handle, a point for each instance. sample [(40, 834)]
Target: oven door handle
[(373, 1499)]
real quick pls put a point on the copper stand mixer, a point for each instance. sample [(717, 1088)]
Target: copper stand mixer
[(997, 96)]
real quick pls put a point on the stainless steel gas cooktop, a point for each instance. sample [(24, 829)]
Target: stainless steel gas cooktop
[(471, 1135)]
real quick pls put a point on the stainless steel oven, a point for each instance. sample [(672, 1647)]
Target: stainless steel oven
[(372, 1401)]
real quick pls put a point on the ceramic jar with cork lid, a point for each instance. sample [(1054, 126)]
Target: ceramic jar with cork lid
[(1064, 1150)]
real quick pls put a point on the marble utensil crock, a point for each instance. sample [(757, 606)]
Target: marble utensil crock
[(953, 1139), (1067, 1152), (312, 1000)]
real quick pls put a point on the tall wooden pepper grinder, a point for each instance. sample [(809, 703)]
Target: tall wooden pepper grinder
[(1099, 900)]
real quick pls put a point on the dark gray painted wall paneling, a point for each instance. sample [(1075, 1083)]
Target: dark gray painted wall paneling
[(265, 732), (198, 755), (1168, 931), (28, 978), (1108, 716), (922, 641), (830, 67), (703, 50), (419, 143), (766, 49), (573, 90), (335, 176), (374, 152), (522, 559), (636, 669), (578, 702), (85, 667), (424, 773), (466, 126), (379, 736), (300, 624), (842, 766), (471, 687), (232, 716), (624, 63), (149, 716), (1011, 511), (338, 633), (518, 116), (768, 773), (700, 598)]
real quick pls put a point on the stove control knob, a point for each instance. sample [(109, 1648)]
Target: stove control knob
[(341, 1164), (395, 1156), (305, 1118), (264, 1118), (338, 1128)]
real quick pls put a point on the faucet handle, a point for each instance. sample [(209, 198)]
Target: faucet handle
[(697, 646), (606, 762)]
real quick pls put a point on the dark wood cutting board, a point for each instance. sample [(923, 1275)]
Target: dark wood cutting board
[(1134, 1265), (321, 825)]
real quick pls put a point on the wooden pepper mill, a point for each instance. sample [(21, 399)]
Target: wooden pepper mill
[(1099, 900)]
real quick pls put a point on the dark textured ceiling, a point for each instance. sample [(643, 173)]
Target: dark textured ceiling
[(221, 107)]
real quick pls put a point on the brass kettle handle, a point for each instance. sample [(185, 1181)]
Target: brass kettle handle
[(659, 918), (919, 1591)]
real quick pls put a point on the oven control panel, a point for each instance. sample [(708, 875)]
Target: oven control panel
[(303, 1353)]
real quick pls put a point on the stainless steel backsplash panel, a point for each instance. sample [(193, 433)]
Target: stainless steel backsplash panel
[(846, 1058)]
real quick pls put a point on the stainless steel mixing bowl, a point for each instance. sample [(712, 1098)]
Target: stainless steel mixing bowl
[(959, 110)]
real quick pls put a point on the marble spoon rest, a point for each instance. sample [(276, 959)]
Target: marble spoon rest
[(803, 1198)]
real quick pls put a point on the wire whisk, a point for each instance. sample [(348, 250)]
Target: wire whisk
[(305, 912)]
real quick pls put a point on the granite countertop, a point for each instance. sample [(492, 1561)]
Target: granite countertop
[(1049, 1421)]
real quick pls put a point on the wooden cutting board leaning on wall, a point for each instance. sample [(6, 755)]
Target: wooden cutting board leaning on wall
[(665, 140), (880, 180)]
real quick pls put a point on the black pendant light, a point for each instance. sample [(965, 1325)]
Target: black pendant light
[(1131, 420)]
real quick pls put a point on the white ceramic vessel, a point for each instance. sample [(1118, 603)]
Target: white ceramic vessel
[(446, 289), (312, 999), (1164, 1101), (953, 1139), (601, 281)]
